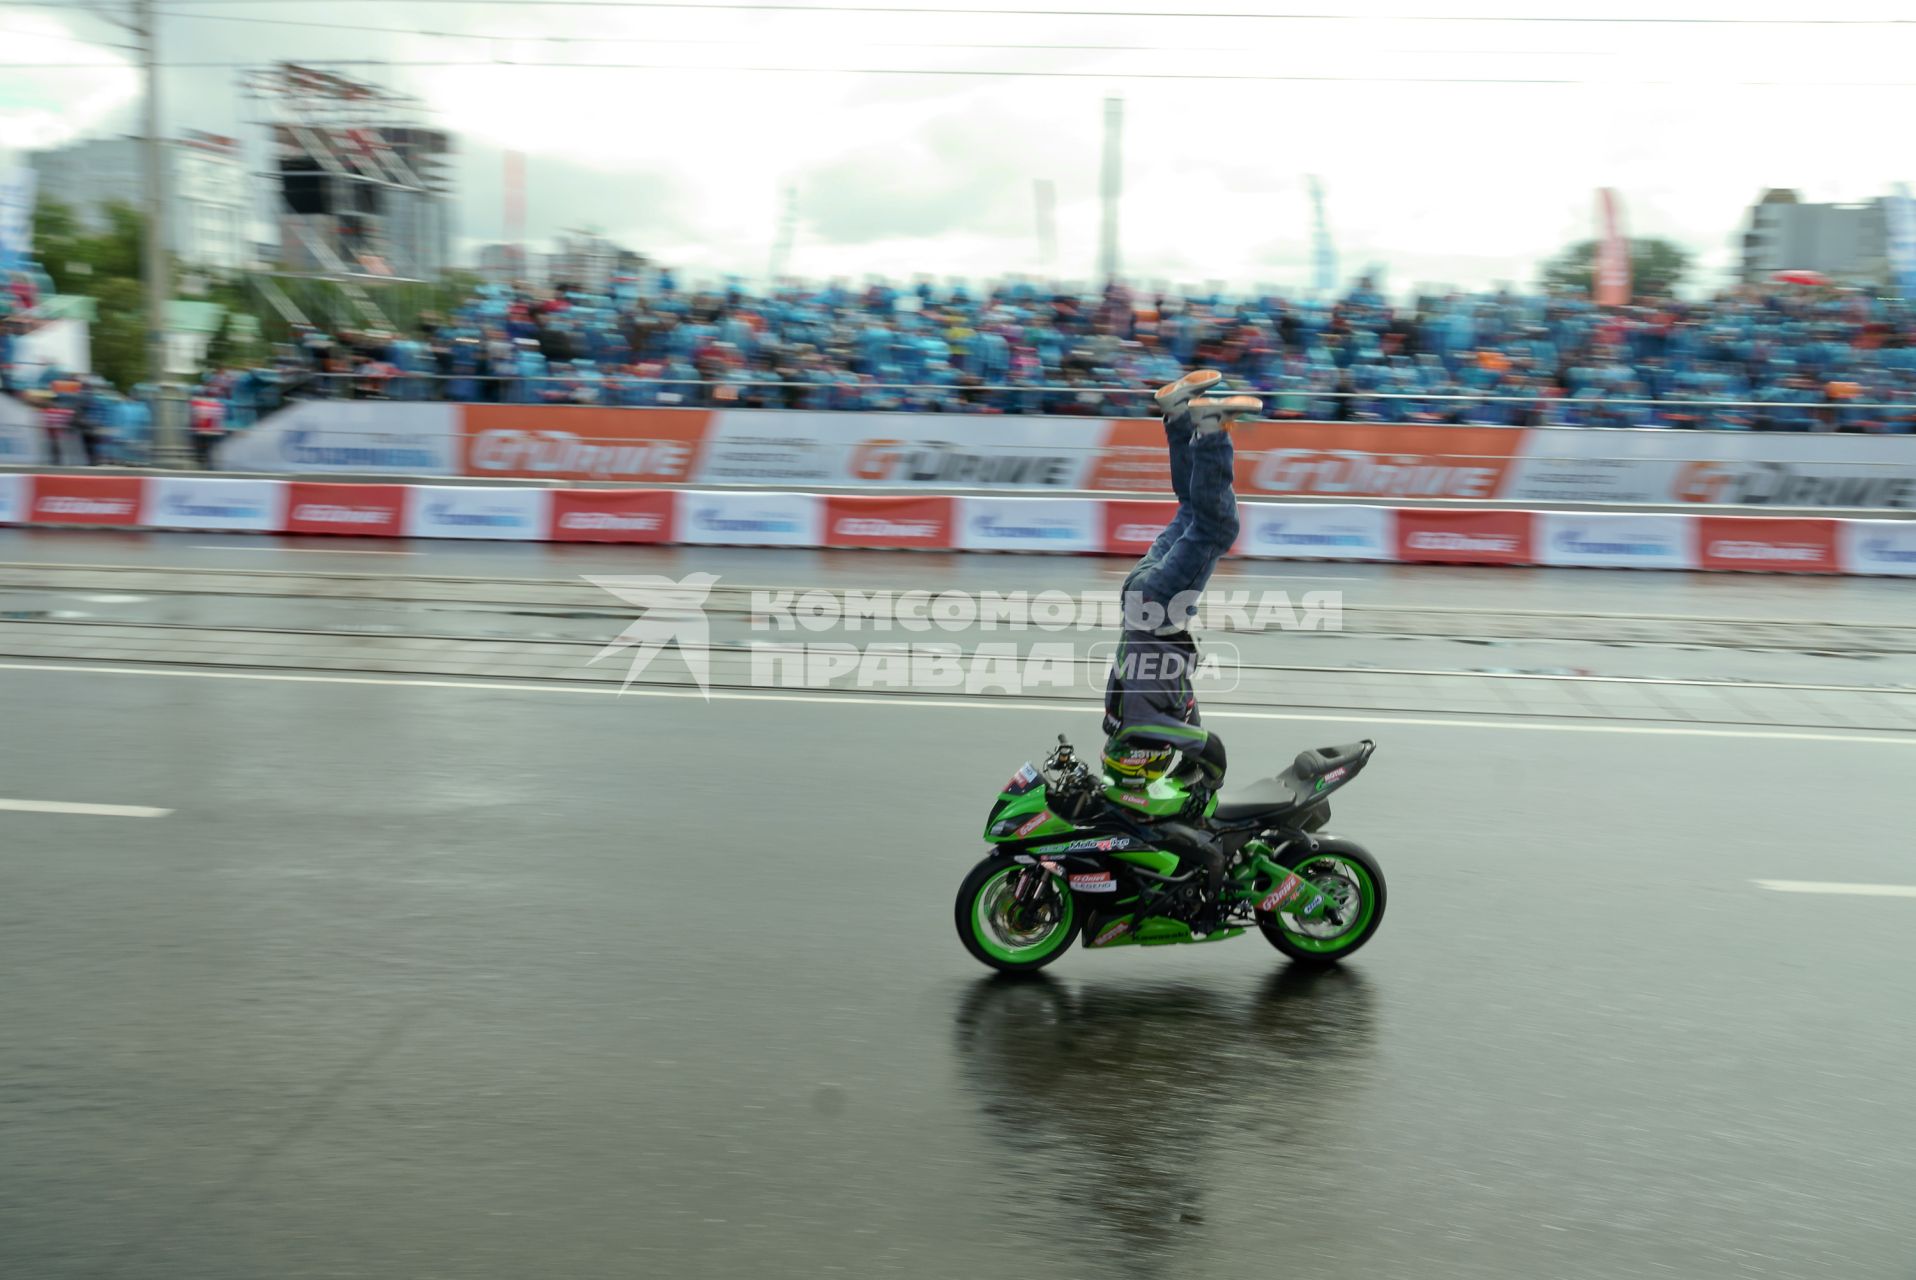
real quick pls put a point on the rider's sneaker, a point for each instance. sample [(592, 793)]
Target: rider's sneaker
[(1218, 413), (1175, 395)]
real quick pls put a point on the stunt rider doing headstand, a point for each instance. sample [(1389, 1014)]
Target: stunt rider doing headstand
[(1150, 709)]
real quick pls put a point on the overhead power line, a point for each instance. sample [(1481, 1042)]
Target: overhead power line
[(523, 63), (706, 41), (972, 11)]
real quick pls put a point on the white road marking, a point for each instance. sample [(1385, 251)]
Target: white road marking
[(1833, 886), (296, 551), (88, 810), (1885, 737), (1262, 577)]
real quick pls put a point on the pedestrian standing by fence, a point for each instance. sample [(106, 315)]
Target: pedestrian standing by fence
[(209, 426)]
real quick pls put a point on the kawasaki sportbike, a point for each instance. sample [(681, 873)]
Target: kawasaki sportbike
[(1075, 856)]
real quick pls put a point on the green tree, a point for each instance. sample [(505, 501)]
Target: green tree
[(105, 267), (119, 331), (1656, 267)]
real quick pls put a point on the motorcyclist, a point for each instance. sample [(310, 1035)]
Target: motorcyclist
[(1150, 707)]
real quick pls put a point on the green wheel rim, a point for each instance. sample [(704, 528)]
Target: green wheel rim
[(987, 903), (1367, 907)]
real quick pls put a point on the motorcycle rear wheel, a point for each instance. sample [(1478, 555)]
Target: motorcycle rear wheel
[(1345, 870), (998, 933)]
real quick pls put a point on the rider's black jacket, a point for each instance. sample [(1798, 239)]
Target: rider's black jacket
[(1149, 701)]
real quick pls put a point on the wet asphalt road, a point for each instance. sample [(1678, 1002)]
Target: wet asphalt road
[(1716, 595), (483, 984)]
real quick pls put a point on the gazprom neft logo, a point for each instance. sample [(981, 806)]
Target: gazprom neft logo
[(988, 526), (191, 506), (714, 520), (1277, 534), (1888, 551), (448, 515), (309, 448), (1578, 542)]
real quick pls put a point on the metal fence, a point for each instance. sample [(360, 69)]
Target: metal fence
[(1089, 400)]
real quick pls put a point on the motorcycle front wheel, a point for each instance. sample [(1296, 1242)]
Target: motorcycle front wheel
[(1345, 872), (1008, 935)]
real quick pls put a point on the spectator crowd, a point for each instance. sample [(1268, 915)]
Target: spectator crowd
[(1775, 358)]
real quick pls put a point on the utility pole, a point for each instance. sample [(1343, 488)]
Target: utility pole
[(1323, 255), (787, 233), (1045, 194), (1113, 188), (169, 445)]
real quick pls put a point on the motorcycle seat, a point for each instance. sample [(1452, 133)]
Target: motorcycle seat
[(1314, 762), (1265, 796)]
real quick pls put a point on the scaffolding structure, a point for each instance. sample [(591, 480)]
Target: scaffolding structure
[(358, 187)]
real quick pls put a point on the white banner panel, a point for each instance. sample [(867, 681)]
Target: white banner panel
[(13, 499), (1030, 524), (1751, 468), (1316, 532), (1615, 540), (455, 511), (748, 519), (183, 502), (331, 437), (1878, 546), (900, 450)]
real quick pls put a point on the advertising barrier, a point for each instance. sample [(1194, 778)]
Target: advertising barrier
[(1062, 524), (195, 502), (1463, 537), (855, 520), (750, 519), (899, 450), (1878, 546), (1131, 525), (1777, 545), (1029, 524), (566, 442), (447, 511), (338, 437), (902, 451), (612, 515), (1279, 532), (1772, 469), (1619, 540), (364, 510), (86, 500)]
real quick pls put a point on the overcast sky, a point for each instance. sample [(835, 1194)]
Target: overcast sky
[(1469, 184)]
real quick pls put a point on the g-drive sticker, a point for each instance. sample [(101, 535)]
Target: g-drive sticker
[(1283, 894)]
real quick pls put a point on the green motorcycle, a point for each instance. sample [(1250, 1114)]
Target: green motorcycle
[(1074, 856)]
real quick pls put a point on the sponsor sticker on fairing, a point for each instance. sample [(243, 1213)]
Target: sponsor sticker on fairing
[(1104, 844), (1283, 894), (1095, 882), (1113, 932), (1023, 780), (1032, 823)]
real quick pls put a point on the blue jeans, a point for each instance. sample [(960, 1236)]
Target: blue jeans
[(1165, 584)]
